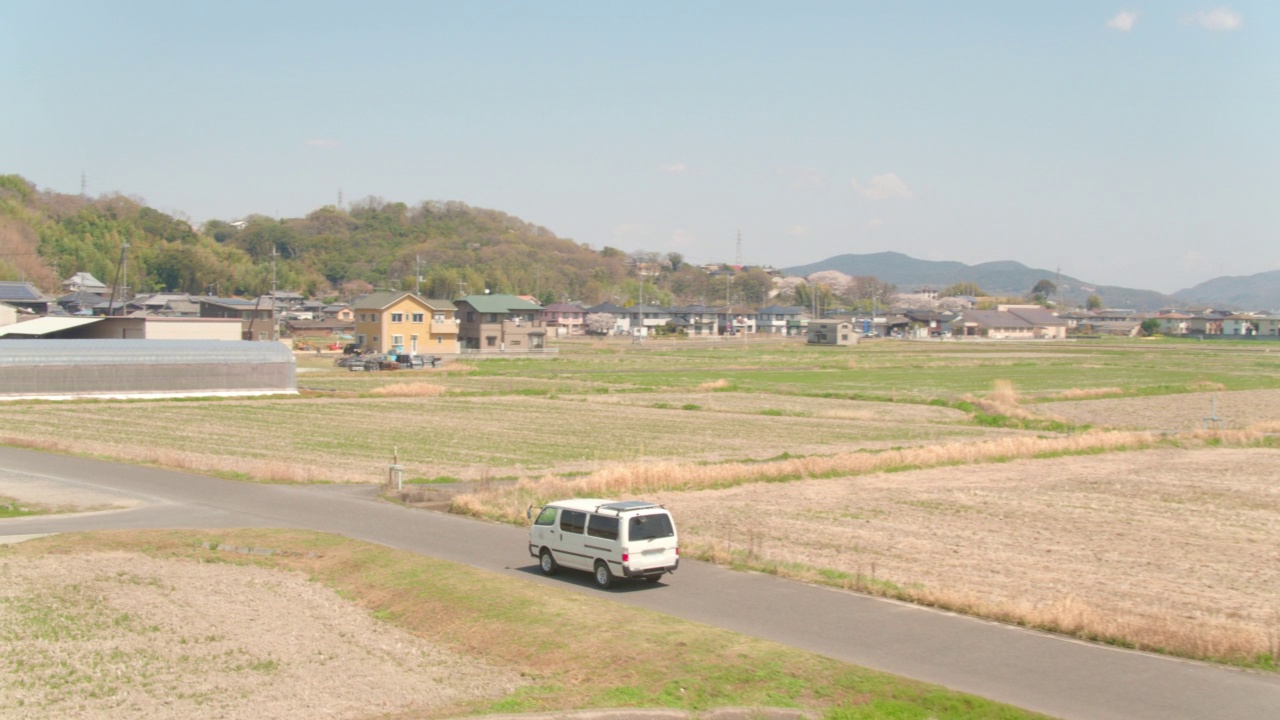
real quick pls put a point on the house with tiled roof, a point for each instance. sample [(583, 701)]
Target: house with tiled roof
[(24, 296), (1174, 323), (1010, 322), (696, 319), (565, 318), (257, 317), (399, 322), (781, 320), (621, 321), (86, 282), (497, 323)]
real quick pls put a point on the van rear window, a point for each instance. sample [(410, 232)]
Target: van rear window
[(646, 527), (603, 527)]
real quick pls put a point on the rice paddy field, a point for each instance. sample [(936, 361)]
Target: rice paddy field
[(1115, 490)]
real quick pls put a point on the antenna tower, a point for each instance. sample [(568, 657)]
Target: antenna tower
[(84, 184)]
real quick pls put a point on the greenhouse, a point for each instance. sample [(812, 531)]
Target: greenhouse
[(59, 369)]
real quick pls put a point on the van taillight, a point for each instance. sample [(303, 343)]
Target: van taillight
[(677, 551), (626, 557)]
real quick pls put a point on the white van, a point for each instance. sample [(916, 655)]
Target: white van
[(631, 539)]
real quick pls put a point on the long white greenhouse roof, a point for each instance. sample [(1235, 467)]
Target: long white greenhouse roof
[(46, 325), (140, 352)]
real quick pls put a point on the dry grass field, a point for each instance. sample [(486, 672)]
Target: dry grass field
[(124, 635), (470, 437), (1167, 549), (1173, 413)]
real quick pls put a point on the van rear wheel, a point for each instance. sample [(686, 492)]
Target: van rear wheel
[(604, 578), (547, 562)]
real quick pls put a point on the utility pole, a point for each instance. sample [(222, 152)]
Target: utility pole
[(417, 274), (120, 272), (275, 322), (737, 256), (84, 184)]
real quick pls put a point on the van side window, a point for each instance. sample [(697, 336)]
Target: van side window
[(646, 527), (572, 521), (546, 517), (603, 527)]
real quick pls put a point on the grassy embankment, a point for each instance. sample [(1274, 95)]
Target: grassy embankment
[(659, 661)]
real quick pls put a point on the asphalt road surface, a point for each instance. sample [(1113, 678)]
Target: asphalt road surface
[(1033, 670)]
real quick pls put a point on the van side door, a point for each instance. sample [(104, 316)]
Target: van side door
[(602, 541), (570, 546)]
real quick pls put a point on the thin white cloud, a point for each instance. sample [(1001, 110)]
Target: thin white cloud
[(322, 142), (632, 232), (682, 238), (804, 178), (883, 187), (1218, 18), (874, 223), (799, 231), (677, 168), (1123, 21)]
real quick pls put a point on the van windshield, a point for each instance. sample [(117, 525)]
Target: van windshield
[(647, 527)]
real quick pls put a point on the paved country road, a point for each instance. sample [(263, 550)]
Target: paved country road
[(1038, 671)]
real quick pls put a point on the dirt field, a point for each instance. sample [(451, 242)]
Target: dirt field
[(115, 635), (1174, 413), (1169, 548)]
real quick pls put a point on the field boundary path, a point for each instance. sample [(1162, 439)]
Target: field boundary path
[(1038, 671)]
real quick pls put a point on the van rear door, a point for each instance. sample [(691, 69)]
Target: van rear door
[(651, 541)]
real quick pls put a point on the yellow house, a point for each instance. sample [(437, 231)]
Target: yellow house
[(398, 322)]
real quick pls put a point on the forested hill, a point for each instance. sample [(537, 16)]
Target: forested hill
[(46, 237)]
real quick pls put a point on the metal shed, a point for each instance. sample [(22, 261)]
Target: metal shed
[(60, 369)]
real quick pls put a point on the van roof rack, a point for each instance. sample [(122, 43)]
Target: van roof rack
[(621, 507)]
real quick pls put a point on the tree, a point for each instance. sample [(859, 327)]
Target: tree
[(753, 286), (1094, 302), (966, 289), (600, 323), (1042, 291), (676, 260), (1150, 326)]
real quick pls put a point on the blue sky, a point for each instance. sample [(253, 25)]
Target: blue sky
[(1131, 144)]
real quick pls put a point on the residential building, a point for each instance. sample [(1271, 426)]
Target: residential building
[(781, 320), (831, 332), (500, 323), (733, 320), (1174, 323), (696, 320), (85, 282), (24, 296), (339, 311), (1240, 325), (930, 323), (565, 318), (1204, 324), (621, 320), (398, 322), (257, 317)]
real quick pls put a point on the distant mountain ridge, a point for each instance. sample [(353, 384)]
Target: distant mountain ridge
[(1248, 292), (1004, 277)]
